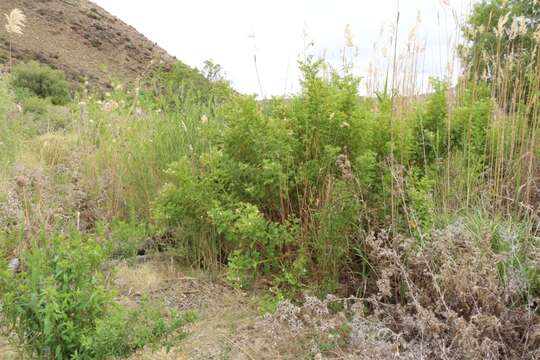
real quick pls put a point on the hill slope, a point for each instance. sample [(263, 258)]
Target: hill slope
[(80, 38)]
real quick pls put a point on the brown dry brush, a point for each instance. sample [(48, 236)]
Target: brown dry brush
[(448, 297)]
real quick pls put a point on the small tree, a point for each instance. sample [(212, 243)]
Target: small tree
[(502, 38), (14, 26)]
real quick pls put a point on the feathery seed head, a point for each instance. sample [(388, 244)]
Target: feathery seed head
[(522, 26), (348, 36), (499, 31), (537, 34), (514, 29), (15, 22)]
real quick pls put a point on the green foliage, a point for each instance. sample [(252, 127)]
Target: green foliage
[(421, 204), (42, 81), (257, 242), (501, 48), (268, 303), (173, 85), (123, 238), (431, 126), (471, 120), (276, 186), (337, 215), (486, 47), (34, 104), (59, 307)]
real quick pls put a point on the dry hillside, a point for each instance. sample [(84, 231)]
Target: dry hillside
[(80, 38)]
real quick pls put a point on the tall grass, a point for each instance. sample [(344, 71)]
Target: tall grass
[(8, 133)]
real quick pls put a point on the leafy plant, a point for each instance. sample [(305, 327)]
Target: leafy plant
[(59, 307), (42, 81)]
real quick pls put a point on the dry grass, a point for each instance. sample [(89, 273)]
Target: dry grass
[(143, 279)]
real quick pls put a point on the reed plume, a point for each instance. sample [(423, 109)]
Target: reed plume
[(15, 22)]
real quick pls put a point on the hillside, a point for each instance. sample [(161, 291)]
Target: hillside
[(82, 39)]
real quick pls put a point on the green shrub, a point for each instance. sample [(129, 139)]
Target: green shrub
[(430, 127), (172, 86), (34, 104), (337, 215), (123, 238), (59, 307), (263, 190), (42, 81)]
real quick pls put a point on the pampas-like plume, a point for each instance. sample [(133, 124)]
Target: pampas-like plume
[(15, 21), (14, 26), (348, 36), (499, 30)]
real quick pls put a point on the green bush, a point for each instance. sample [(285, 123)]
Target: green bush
[(123, 238), (34, 104), (277, 184), (42, 81), (172, 86), (59, 307)]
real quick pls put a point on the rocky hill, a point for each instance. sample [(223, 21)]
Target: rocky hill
[(80, 38)]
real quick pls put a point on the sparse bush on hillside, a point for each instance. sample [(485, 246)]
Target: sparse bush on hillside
[(41, 80), (170, 87)]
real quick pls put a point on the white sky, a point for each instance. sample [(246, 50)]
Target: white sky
[(195, 31)]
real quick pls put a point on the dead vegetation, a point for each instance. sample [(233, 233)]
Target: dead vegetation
[(442, 301)]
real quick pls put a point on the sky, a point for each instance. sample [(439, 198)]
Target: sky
[(281, 32)]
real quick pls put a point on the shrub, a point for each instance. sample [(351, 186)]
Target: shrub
[(431, 126), (172, 86), (42, 81), (59, 307), (278, 186), (124, 238), (34, 104)]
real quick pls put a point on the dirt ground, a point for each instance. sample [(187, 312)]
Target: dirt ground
[(226, 328), (229, 325)]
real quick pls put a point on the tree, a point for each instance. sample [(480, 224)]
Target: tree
[(501, 45)]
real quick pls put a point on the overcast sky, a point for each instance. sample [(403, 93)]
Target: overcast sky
[(229, 32)]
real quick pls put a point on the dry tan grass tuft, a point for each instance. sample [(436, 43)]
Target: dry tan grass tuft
[(142, 279)]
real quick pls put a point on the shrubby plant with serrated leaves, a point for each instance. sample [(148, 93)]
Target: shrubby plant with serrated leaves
[(60, 307)]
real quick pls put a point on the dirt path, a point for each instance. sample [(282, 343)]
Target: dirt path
[(226, 327), (6, 351)]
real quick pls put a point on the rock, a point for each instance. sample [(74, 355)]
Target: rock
[(14, 265), (21, 181)]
